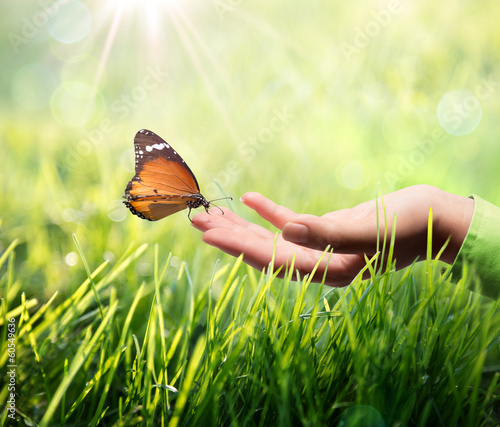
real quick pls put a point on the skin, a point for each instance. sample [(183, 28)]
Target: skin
[(351, 233)]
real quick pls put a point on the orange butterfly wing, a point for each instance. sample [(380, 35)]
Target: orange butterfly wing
[(163, 183)]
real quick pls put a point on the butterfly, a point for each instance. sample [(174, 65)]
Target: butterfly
[(163, 183)]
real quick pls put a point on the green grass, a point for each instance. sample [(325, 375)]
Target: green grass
[(265, 351), (122, 322)]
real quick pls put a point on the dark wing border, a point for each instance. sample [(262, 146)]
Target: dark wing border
[(148, 145)]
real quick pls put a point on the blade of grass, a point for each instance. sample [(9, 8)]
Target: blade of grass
[(115, 358), (87, 269), (81, 355)]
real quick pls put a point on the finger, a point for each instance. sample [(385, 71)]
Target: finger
[(258, 253), (267, 209), (214, 217), (227, 220), (344, 235), (202, 220), (257, 250)]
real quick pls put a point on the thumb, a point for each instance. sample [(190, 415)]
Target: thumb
[(342, 234), (312, 232)]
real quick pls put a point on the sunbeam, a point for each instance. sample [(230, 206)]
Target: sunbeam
[(184, 32)]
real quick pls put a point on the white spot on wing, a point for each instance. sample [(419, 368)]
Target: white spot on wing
[(161, 146)]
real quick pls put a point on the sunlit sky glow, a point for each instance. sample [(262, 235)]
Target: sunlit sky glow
[(87, 56), (119, 19), (112, 21)]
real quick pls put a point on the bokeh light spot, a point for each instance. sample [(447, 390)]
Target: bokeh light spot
[(71, 23), (145, 269), (33, 86), (74, 216), (459, 112), (353, 174), (117, 211), (71, 259), (361, 416), (109, 256), (127, 160), (74, 103), (80, 68)]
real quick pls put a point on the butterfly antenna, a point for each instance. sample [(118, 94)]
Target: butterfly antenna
[(221, 198), (218, 207)]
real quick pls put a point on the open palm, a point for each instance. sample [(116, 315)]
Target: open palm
[(352, 233)]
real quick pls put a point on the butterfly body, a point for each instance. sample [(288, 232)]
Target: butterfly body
[(163, 183)]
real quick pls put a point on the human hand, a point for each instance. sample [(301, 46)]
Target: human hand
[(352, 233)]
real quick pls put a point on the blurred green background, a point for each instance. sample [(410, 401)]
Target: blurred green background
[(310, 103)]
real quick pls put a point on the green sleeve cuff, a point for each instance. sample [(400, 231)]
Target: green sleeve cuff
[(481, 248)]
